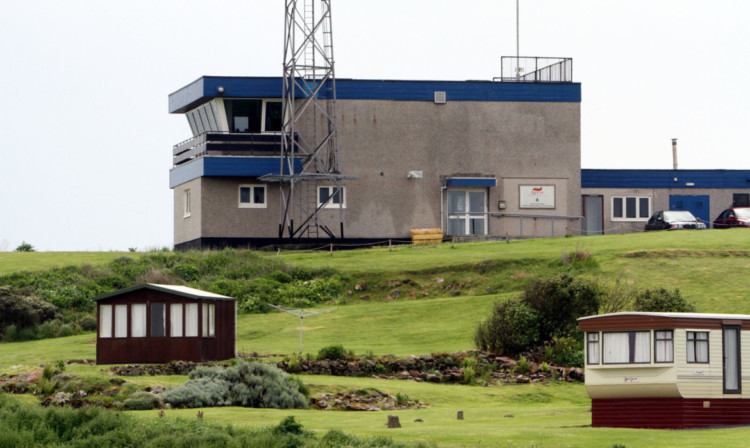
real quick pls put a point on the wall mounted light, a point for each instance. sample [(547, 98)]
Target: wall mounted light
[(501, 205), (220, 90)]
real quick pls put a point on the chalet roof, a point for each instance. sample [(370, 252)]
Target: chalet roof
[(671, 315), (184, 291)]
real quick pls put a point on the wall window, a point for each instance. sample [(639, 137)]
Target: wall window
[(332, 197), (105, 321), (592, 348), (626, 347), (138, 320), (175, 320), (209, 320), (252, 196), (466, 212), (697, 346), (121, 321), (663, 346), (191, 320), (187, 204), (631, 208), (254, 115)]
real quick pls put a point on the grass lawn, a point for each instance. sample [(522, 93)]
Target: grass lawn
[(37, 261)]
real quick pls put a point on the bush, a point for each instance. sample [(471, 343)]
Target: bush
[(23, 310), (512, 328), (246, 384), (187, 272), (142, 401), (288, 426), (332, 352), (10, 334), (565, 351), (560, 301), (662, 300), (25, 247)]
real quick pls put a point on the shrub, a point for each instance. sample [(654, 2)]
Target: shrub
[(565, 351), (402, 399), (246, 384), (662, 300), (469, 375), (187, 272), (87, 322), (560, 301), (23, 310), (523, 365), (10, 334), (25, 247), (288, 425), (332, 352), (512, 328), (142, 401), (616, 296)]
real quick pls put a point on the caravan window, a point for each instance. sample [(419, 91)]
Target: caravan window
[(627, 347), (697, 346)]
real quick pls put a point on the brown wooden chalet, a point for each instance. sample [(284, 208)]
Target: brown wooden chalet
[(667, 370), (160, 323)]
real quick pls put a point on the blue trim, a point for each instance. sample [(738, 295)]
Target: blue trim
[(471, 182), (225, 167), (594, 178), (206, 88)]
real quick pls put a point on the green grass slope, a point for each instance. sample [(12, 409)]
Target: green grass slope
[(38, 261)]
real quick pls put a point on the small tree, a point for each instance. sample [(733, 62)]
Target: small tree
[(25, 247), (662, 300), (512, 328)]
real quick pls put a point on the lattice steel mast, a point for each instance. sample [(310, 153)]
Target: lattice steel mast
[(309, 133)]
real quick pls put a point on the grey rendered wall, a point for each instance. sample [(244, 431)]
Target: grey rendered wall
[(381, 141), (187, 228)]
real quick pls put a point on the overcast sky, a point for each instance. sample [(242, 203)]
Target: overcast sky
[(86, 138)]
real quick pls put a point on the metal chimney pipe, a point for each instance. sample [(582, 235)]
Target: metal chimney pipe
[(674, 153)]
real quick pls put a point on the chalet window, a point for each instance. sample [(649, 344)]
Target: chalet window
[(663, 346), (332, 197), (175, 320), (627, 347), (252, 196), (209, 320), (138, 320), (697, 346), (105, 321), (121, 321), (592, 348), (191, 320), (158, 319), (631, 208)]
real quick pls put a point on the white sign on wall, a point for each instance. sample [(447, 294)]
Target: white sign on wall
[(537, 196)]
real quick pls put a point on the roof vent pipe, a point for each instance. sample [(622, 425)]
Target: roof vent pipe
[(674, 153)]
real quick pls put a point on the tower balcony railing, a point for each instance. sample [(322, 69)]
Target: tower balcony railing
[(535, 69), (226, 144)]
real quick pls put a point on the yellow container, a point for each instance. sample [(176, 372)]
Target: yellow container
[(426, 236)]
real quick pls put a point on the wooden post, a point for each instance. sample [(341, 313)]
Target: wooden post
[(393, 421), (460, 415), (331, 249), (390, 248)]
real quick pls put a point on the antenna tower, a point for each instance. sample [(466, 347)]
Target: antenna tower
[(309, 148)]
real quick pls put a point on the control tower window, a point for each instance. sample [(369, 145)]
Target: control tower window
[(254, 116)]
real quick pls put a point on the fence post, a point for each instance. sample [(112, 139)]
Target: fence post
[(331, 249)]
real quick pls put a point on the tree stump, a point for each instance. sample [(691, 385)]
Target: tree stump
[(393, 421), (460, 415)]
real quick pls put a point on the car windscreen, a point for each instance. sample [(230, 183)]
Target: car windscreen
[(743, 213), (678, 216)]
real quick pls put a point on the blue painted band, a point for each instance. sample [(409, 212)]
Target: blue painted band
[(225, 167), (604, 178), (206, 88), (471, 182)]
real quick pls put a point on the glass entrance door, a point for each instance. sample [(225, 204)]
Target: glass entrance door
[(467, 212)]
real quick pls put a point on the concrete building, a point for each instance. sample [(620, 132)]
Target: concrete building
[(621, 201), (474, 158)]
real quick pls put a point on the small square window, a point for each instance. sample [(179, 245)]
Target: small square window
[(252, 196), (332, 197)]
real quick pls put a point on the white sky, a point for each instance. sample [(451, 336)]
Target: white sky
[(86, 139)]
